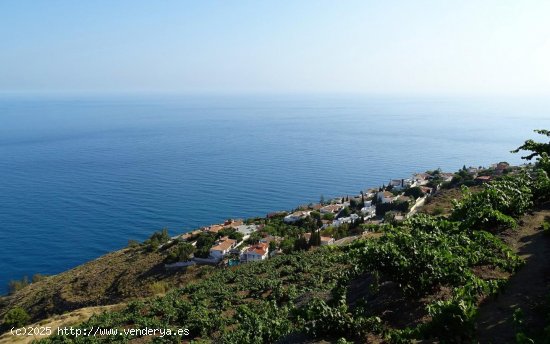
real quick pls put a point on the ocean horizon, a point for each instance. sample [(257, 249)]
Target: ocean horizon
[(83, 175)]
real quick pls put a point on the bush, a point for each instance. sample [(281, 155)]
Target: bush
[(158, 287), (157, 239), (496, 205), (328, 216), (16, 317), (16, 285), (38, 277), (133, 243), (438, 211)]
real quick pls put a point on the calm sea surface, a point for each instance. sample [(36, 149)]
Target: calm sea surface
[(81, 176)]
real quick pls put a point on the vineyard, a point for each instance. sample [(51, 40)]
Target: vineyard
[(421, 279)]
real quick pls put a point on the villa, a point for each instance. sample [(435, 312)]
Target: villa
[(326, 241), (369, 212), (349, 219), (421, 179), (331, 208), (214, 228), (233, 223), (257, 252), (246, 230), (400, 184), (296, 216), (385, 197), (222, 248)]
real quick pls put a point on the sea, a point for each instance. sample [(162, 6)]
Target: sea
[(80, 175)]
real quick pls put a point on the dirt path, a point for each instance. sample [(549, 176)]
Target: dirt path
[(527, 289)]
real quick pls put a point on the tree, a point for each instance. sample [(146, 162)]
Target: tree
[(157, 239), (205, 241), (182, 252), (315, 214), (344, 212), (238, 236), (254, 238), (287, 245), (16, 317), (328, 216), (300, 244), (536, 148), (315, 239), (415, 192)]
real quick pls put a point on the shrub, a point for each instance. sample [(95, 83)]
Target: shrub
[(157, 239), (328, 216), (159, 287), (16, 285), (438, 211), (38, 277), (16, 317), (133, 243)]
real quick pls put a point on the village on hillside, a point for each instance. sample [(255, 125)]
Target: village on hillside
[(329, 222)]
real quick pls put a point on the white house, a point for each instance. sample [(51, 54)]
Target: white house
[(256, 252), (296, 216), (246, 230), (385, 197), (447, 177), (326, 241), (420, 179), (400, 184), (369, 212), (349, 219), (223, 246)]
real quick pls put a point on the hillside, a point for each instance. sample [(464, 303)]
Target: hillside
[(477, 272), (127, 274), (116, 277)]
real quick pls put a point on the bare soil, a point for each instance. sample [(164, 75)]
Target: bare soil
[(528, 289)]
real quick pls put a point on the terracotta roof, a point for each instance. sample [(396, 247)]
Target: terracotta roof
[(215, 228), (316, 206), (223, 245), (233, 223), (332, 207), (259, 249)]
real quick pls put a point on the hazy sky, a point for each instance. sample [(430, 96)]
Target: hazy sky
[(276, 46)]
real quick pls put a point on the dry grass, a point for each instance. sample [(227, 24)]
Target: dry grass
[(441, 202), (59, 321), (113, 278)]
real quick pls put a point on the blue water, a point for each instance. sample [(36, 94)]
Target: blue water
[(81, 176)]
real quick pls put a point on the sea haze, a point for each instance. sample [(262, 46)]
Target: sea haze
[(81, 176)]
